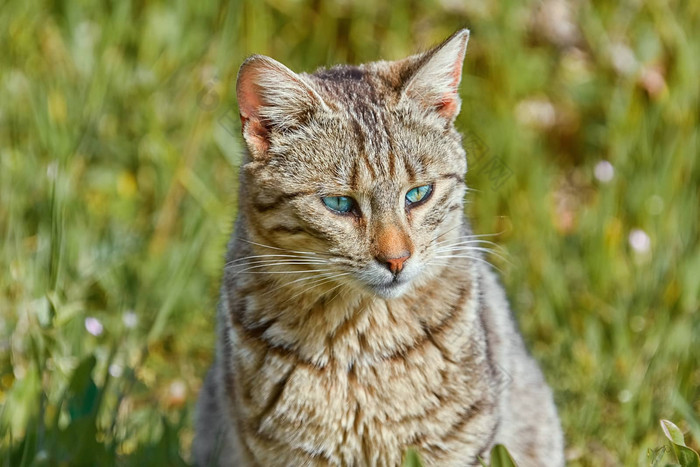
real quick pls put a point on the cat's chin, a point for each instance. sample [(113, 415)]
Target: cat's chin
[(391, 290)]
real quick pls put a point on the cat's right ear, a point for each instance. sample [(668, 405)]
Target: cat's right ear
[(271, 97)]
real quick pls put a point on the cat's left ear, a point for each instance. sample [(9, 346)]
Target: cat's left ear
[(435, 82)]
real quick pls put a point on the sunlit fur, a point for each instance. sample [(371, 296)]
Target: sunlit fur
[(325, 356)]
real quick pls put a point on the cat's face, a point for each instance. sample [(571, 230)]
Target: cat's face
[(357, 173)]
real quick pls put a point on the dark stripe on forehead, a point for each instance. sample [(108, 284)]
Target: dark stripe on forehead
[(392, 154), (392, 169), (359, 136), (368, 123), (368, 163), (354, 175), (361, 147), (341, 74), (354, 89), (423, 162), (366, 115), (410, 170)]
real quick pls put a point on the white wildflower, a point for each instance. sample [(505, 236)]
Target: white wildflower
[(622, 58), (538, 113), (115, 370), (93, 326), (604, 171), (130, 319), (639, 241)]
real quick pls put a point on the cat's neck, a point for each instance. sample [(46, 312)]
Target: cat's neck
[(346, 327)]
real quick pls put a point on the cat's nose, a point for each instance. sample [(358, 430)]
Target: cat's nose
[(394, 264), (392, 247)]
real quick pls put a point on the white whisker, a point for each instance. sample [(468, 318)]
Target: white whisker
[(274, 263), (310, 277), (469, 242), (467, 249), (246, 258), (283, 272), (317, 284), (282, 249), (474, 258)]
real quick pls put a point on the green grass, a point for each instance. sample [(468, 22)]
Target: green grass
[(118, 178)]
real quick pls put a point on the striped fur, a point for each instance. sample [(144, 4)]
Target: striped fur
[(324, 357)]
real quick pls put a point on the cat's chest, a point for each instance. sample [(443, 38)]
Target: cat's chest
[(358, 383), (361, 414)]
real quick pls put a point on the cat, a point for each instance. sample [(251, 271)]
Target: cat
[(357, 315)]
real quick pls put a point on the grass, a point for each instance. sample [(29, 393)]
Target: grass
[(119, 151)]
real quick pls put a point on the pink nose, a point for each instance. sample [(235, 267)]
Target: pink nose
[(395, 265)]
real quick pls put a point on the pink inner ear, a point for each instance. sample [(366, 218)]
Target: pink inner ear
[(249, 103), (448, 106), (456, 75), (255, 133)]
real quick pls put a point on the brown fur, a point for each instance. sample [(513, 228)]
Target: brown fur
[(329, 353)]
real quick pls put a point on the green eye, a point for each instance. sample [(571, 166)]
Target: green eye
[(342, 204), (418, 194)]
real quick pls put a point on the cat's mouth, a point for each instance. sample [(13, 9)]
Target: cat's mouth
[(380, 282), (392, 288)]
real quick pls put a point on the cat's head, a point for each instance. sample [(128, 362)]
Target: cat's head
[(355, 174)]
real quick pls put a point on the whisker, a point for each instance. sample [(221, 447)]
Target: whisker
[(469, 241), (282, 249), (271, 259), (475, 258), (473, 248), (474, 236), (474, 244), (337, 293), (315, 277), (283, 272), (275, 263), (464, 267), (448, 231), (316, 284), (456, 246), (246, 258)]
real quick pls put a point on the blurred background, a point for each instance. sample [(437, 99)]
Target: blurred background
[(119, 152)]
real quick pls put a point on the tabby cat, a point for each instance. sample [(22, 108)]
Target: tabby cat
[(357, 316)]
